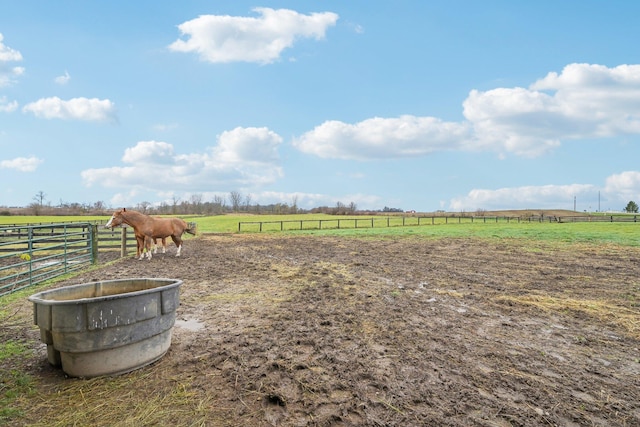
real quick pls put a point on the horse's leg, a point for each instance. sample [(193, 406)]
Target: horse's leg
[(141, 252), (139, 245), (178, 241), (147, 243), (155, 246), (164, 245), (143, 242)]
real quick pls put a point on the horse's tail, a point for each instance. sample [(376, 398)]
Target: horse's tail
[(191, 228)]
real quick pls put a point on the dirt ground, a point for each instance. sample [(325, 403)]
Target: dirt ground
[(279, 330)]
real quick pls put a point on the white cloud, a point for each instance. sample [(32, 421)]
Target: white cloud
[(243, 158), (248, 145), (584, 101), (93, 109), (7, 55), (531, 197), (8, 75), (513, 120), (22, 164), (161, 127), (63, 79), (625, 184), (617, 191), (223, 38), (314, 200), (382, 138), (6, 106), (149, 153)]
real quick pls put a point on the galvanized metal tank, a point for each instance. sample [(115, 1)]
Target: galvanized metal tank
[(108, 327)]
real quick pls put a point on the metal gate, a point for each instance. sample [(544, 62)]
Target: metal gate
[(30, 254)]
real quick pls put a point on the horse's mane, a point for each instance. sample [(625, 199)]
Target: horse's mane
[(131, 212)]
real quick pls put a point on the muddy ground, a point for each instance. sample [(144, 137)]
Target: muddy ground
[(322, 331)]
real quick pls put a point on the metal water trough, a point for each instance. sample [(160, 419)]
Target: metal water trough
[(108, 327)]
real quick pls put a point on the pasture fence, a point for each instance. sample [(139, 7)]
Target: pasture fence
[(406, 221), (31, 254)]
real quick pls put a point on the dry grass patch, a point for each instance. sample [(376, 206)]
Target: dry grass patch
[(627, 318), (135, 399)]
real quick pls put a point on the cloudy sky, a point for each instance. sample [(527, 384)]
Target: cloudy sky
[(411, 104)]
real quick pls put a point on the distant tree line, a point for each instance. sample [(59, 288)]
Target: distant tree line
[(235, 202)]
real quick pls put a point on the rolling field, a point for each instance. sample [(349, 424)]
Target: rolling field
[(483, 324)]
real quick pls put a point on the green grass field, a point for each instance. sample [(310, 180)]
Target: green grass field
[(19, 386), (626, 234)]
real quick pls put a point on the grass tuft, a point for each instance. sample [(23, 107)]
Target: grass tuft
[(627, 318)]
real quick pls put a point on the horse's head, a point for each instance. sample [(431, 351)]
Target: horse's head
[(116, 219)]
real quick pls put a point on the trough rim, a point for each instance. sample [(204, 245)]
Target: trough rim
[(40, 297)]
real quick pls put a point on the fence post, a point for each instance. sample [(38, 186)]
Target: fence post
[(123, 242), (30, 241), (93, 235)]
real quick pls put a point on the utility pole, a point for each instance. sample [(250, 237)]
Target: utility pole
[(574, 203)]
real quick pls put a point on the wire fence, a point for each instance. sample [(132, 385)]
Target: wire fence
[(412, 221)]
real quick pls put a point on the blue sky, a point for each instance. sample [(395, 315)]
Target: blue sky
[(425, 105)]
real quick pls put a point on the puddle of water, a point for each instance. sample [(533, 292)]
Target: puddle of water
[(190, 324)]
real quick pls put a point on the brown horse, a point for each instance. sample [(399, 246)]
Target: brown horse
[(147, 229)]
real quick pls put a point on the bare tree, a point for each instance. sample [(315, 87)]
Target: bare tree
[(247, 202), (142, 206), (39, 198), (99, 206), (174, 204), (38, 201), (294, 204), (219, 203), (236, 199), (196, 203)]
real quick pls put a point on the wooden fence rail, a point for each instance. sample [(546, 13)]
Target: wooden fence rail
[(405, 221)]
